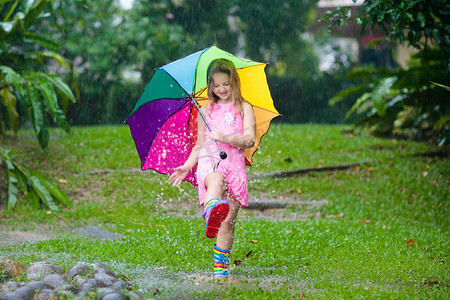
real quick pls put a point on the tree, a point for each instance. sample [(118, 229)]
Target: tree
[(26, 88), (28, 91), (405, 102), (107, 43), (272, 31)]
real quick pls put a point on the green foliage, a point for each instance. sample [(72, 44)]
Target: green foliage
[(107, 44), (419, 22), (306, 101), (26, 88), (404, 102), (38, 190), (272, 31)]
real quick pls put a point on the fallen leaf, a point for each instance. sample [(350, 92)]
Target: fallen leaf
[(410, 242), (302, 295), (238, 263), (160, 268), (62, 180), (356, 168), (367, 221), (253, 241), (425, 174), (384, 226), (434, 182), (248, 254), (328, 230), (369, 169)]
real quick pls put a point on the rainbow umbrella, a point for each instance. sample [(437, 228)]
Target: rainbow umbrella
[(163, 122)]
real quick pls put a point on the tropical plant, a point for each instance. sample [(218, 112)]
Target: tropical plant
[(404, 102), (407, 102), (26, 88), (38, 190), (29, 92)]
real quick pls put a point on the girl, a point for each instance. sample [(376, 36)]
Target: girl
[(222, 184)]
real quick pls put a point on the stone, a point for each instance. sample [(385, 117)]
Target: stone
[(9, 286), (41, 269), (54, 280), (12, 269), (81, 269), (47, 294), (105, 278), (104, 291), (106, 271), (115, 296), (9, 296), (68, 288), (25, 292), (122, 285), (90, 285), (136, 296), (38, 285), (78, 281)]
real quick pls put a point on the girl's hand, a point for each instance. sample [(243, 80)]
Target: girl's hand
[(219, 136), (178, 175)]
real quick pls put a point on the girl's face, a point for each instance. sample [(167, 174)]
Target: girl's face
[(221, 86)]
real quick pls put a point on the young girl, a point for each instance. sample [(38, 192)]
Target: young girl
[(222, 184)]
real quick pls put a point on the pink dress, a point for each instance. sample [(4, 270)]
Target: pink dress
[(226, 119)]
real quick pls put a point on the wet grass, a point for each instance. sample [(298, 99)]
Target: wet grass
[(355, 246)]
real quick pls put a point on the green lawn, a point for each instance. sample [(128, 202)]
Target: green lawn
[(352, 245)]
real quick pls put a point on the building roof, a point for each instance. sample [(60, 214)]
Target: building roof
[(336, 3)]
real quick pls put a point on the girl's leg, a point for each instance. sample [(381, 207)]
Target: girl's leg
[(215, 186), (225, 236)]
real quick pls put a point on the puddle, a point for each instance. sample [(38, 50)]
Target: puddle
[(175, 285)]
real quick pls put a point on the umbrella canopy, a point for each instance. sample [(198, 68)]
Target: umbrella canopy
[(163, 122)]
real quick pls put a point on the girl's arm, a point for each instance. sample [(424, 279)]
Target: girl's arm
[(181, 172), (247, 139)]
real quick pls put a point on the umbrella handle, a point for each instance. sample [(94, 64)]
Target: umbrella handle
[(223, 154)]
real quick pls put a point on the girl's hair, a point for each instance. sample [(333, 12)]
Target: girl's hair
[(222, 65)]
